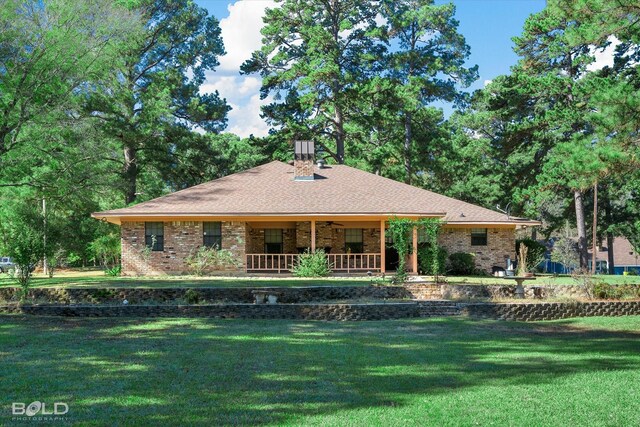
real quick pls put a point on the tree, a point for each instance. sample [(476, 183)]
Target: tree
[(22, 238), (314, 56), (151, 103), (424, 65), (48, 50)]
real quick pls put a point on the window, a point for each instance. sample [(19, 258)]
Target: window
[(154, 235), (353, 240), (273, 241), (212, 234), (478, 237)]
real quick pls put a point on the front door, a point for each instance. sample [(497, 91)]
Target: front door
[(390, 258)]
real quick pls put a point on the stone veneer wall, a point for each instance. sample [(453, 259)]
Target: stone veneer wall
[(180, 238), (501, 243), (374, 311), (61, 295)]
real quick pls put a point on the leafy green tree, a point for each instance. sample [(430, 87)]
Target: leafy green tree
[(22, 238), (314, 56), (151, 104), (426, 62), (48, 50)]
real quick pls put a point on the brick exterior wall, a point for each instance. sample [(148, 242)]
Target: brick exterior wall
[(326, 237), (180, 238), (501, 243)]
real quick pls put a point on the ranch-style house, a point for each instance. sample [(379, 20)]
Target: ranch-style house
[(267, 215)]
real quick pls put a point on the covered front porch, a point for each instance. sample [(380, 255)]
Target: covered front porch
[(351, 245)]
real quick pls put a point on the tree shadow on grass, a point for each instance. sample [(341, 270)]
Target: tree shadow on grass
[(205, 372)]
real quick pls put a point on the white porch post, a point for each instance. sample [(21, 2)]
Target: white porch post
[(382, 247), (313, 235), (414, 255)]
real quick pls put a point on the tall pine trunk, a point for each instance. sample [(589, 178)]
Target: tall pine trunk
[(609, 220), (407, 148), (340, 136), (582, 231), (130, 173)]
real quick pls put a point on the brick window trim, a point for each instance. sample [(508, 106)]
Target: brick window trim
[(479, 236), (212, 234), (154, 230)]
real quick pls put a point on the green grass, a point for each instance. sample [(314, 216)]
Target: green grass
[(542, 280), (99, 280), (437, 372)]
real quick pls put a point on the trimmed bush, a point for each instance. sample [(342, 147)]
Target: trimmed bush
[(425, 260), (312, 264), (461, 264)]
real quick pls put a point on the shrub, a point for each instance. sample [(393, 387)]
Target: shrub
[(192, 296), (206, 258), (425, 260), (114, 272), (603, 290), (461, 263), (312, 264)]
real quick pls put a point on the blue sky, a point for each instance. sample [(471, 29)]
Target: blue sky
[(488, 26)]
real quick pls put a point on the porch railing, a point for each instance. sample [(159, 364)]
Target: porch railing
[(282, 263)]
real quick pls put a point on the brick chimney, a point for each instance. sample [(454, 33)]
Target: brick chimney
[(303, 161)]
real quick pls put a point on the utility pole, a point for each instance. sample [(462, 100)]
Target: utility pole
[(595, 228), (45, 264)]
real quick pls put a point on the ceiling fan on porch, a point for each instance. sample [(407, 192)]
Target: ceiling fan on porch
[(331, 223)]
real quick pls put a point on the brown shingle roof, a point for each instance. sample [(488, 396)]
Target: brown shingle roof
[(339, 190), (623, 253)]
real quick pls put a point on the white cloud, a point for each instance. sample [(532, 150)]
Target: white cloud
[(487, 82), (604, 57), (244, 120), (242, 94), (231, 87), (241, 32), (241, 36)]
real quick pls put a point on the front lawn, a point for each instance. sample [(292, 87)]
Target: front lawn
[(205, 372), (99, 280), (549, 280)]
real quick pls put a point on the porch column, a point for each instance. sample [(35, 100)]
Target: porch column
[(414, 255), (382, 247), (313, 235)]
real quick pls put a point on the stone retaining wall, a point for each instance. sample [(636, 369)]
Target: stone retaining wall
[(470, 292), (528, 312), (289, 295), (341, 312), (219, 295), (230, 311)]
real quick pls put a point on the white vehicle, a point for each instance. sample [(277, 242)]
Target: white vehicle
[(6, 264)]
